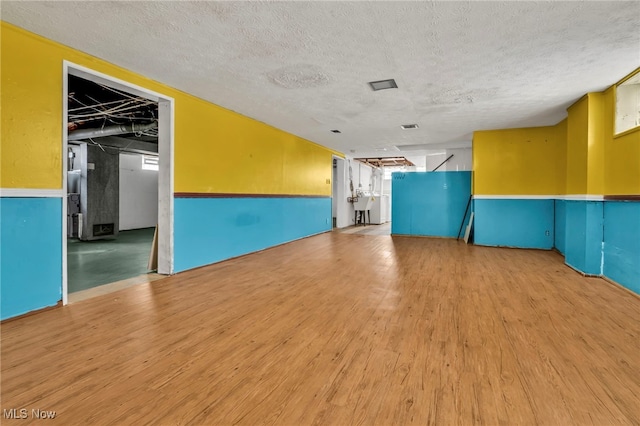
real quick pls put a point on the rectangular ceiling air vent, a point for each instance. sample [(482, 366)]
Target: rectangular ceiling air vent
[(409, 126), (383, 84), (336, 131)]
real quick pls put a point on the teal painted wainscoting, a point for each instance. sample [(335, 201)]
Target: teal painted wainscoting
[(622, 243), (31, 250), (583, 237), (560, 225), (429, 203), (514, 222), (212, 229)]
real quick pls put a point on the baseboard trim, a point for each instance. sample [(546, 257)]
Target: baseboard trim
[(514, 247), (28, 314), (584, 274), (251, 252), (435, 237), (607, 280), (620, 286)]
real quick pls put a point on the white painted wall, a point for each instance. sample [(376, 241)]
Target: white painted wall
[(361, 179), (340, 193), (461, 160), (386, 187), (334, 189), (361, 176), (434, 158), (138, 194), (419, 161)]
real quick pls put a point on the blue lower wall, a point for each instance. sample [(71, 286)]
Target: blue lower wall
[(519, 223), (583, 236), (560, 228), (622, 243), (209, 230), (429, 203), (31, 252)]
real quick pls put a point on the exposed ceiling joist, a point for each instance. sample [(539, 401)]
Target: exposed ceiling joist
[(97, 110), (386, 161)]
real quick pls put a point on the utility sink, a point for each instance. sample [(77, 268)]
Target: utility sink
[(364, 202)]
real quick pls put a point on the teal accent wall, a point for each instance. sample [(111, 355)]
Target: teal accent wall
[(429, 203), (31, 252)]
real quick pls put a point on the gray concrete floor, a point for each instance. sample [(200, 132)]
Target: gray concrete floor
[(94, 263)]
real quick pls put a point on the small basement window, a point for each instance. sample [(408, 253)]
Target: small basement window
[(149, 162), (628, 104)]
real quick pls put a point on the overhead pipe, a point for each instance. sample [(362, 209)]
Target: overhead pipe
[(119, 129)]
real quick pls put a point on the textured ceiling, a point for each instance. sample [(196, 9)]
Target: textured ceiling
[(304, 66)]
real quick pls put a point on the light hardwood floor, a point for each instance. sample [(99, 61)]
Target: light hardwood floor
[(339, 329)]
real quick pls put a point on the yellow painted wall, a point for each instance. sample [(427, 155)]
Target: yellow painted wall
[(230, 153), (596, 145), (31, 102), (216, 150), (577, 144), (528, 161), (598, 162), (621, 154), (562, 129), (585, 146), (594, 161)]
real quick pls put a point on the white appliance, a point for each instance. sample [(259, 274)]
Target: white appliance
[(380, 209)]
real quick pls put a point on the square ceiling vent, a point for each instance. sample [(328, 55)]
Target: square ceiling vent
[(383, 84)]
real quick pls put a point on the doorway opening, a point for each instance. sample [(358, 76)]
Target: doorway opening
[(118, 181), (339, 194)]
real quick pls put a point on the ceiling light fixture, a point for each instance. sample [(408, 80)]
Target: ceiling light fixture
[(383, 84), (409, 126)]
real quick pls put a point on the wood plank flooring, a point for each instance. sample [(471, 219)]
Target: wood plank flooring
[(339, 329)]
